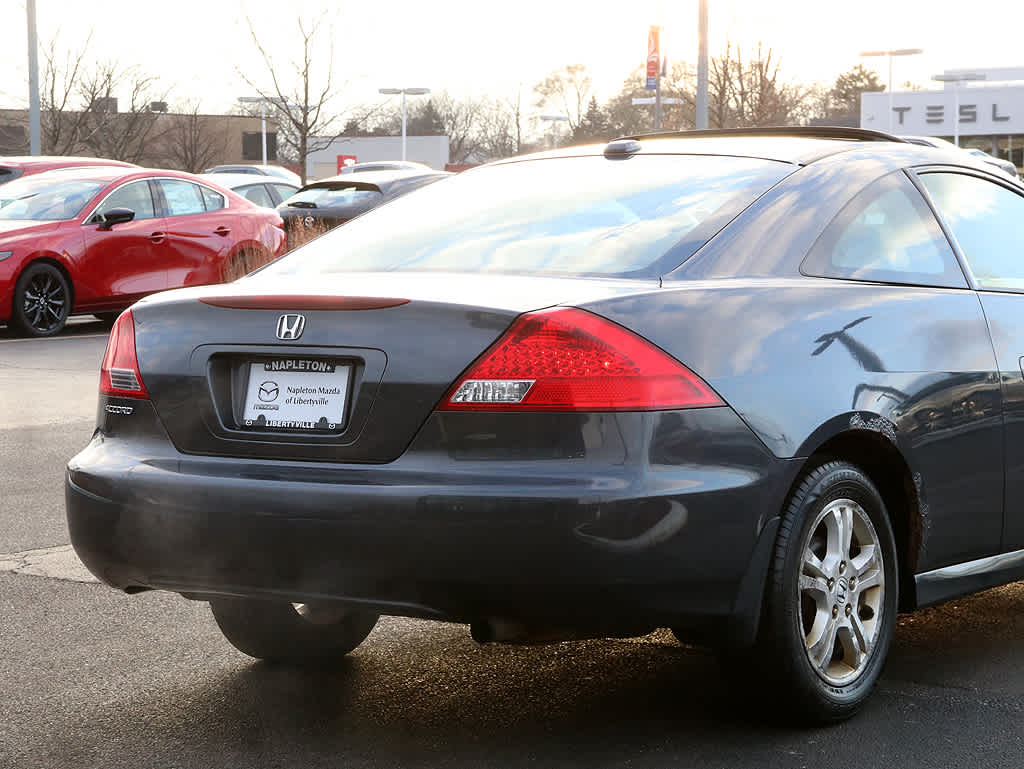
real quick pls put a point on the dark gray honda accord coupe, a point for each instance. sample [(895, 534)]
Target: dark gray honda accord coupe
[(763, 388)]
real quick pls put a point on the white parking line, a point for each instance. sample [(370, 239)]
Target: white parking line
[(54, 338), (50, 562)]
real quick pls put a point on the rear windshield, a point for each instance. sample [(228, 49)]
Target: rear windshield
[(337, 195), (587, 215), (47, 197)]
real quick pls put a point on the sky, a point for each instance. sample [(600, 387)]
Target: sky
[(200, 49)]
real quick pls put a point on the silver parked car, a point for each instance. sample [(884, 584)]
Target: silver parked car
[(266, 191)]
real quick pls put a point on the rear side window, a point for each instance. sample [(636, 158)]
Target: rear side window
[(182, 197), (590, 215), (987, 221), (887, 234), (213, 201)]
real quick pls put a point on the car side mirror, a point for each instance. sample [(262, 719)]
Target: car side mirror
[(116, 216)]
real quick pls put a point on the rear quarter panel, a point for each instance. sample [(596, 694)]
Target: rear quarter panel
[(804, 359)]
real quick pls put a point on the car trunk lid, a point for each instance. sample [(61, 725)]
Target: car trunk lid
[(365, 358)]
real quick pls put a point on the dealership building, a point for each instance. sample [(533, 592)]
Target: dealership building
[(988, 105)]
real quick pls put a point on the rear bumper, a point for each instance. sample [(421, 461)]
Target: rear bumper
[(430, 535)]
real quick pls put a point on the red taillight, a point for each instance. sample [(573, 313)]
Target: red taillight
[(120, 375), (572, 360)]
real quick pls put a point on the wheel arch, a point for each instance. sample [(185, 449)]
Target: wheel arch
[(51, 259), (245, 255), (879, 456)]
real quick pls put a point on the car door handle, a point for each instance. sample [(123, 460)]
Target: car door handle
[(157, 237), (222, 230)]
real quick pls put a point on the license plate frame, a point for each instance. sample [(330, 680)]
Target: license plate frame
[(296, 394)]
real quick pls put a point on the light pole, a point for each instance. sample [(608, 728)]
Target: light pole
[(262, 101), (404, 91), (555, 120), (702, 65), (33, 80), (890, 54), (957, 80)]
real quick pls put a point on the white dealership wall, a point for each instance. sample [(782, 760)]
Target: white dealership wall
[(432, 150), (985, 110)]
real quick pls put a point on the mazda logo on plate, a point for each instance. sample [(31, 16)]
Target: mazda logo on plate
[(309, 221), (268, 391), (290, 326)]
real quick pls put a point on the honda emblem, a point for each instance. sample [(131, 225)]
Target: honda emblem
[(290, 327)]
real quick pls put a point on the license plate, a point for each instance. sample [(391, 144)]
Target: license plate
[(296, 394)]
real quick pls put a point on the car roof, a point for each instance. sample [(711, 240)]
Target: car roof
[(797, 145), (384, 165), (109, 174), (32, 161), (90, 173), (231, 181), (375, 178), (253, 169)]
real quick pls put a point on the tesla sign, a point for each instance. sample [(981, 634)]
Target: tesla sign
[(981, 111)]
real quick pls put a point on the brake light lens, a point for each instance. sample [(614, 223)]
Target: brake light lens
[(119, 374), (572, 360)]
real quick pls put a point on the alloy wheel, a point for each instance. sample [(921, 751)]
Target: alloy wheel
[(45, 303), (841, 591)]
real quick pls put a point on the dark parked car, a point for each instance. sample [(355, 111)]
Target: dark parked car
[(12, 167), (763, 388), (325, 204), (93, 240)]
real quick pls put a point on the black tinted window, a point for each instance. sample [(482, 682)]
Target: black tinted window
[(562, 216), (987, 221), (889, 235)]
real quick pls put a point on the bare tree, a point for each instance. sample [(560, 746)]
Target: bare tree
[(61, 126), (501, 127), (627, 119), (460, 118), (80, 109), (752, 92), (113, 129), (566, 90), (301, 99), (193, 141)]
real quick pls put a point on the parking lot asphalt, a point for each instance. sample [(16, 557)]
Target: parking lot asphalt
[(93, 678)]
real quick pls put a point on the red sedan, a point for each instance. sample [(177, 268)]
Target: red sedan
[(12, 167), (94, 240)]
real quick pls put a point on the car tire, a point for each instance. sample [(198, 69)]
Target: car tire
[(42, 301), (831, 596), (278, 631)]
